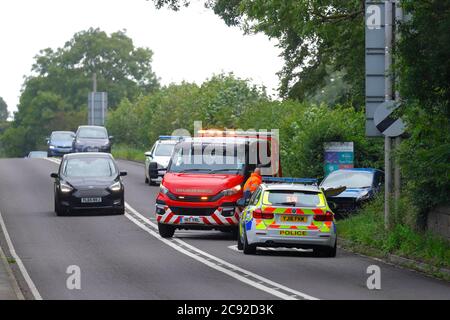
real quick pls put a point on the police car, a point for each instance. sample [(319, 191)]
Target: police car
[(290, 213), (157, 159)]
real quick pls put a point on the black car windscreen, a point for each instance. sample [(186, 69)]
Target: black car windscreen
[(89, 167), (350, 179), (92, 133)]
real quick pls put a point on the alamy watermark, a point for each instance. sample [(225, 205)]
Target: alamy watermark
[(73, 281), (374, 280)]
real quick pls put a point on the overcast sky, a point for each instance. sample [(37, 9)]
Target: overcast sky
[(190, 45)]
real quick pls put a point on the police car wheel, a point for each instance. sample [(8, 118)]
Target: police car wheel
[(240, 245), (248, 248), (327, 252), (165, 230)]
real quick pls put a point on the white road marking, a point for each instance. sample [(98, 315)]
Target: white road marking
[(54, 160), (217, 263), (19, 262)]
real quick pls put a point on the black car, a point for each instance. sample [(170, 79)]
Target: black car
[(92, 139), (362, 184), (88, 181)]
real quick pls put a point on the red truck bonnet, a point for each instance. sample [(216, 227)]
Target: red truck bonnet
[(200, 184)]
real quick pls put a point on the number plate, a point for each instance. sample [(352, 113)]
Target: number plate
[(91, 200), (292, 233), (191, 220), (294, 218), (92, 149)]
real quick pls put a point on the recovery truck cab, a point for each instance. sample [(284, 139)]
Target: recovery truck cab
[(205, 178)]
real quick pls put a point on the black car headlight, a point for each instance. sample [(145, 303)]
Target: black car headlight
[(65, 188), (116, 186)]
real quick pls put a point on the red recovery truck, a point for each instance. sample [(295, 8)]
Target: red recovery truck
[(205, 178)]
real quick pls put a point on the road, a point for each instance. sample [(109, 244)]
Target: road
[(122, 257)]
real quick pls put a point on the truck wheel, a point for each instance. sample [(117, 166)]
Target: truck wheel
[(165, 230), (146, 180), (248, 248)]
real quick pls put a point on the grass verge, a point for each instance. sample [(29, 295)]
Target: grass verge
[(366, 232), (127, 153)]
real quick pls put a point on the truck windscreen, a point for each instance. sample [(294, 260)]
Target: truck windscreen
[(207, 159)]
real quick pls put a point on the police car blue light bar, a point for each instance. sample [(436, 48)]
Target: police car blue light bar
[(290, 180), (171, 137)]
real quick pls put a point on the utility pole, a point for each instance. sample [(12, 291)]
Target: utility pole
[(398, 140), (94, 82), (388, 97)]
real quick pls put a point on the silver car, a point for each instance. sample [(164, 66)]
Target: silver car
[(157, 159)]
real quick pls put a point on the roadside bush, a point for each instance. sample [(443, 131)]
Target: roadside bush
[(367, 229)]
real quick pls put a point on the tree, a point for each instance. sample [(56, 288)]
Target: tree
[(54, 96), (423, 56), (3, 110), (314, 35)]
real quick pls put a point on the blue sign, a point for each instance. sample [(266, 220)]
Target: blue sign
[(338, 155)]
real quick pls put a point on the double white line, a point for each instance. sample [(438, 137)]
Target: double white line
[(276, 289)]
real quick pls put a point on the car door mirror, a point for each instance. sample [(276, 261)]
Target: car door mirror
[(148, 154), (333, 192), (242, 202), (111, 137), (123, 173), (54, 175)]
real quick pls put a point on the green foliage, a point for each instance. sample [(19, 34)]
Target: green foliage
[(54, 97), (313, 34), (425, 157), (367, 229), (128, 153), (423, 55), (218, 102), (3, 110)]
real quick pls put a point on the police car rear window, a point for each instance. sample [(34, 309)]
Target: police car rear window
[(292, 198)]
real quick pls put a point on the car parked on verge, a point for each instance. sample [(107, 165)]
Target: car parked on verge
[(290, 213), (60, 143), (362, 185), (157, 159), (92, 139), (88, 181)]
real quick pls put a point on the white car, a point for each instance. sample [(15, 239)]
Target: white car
[(157, 159)]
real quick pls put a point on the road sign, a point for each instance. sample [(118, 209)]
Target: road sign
[(385, 122), (375, 62), (97, 108), (338, 155)]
